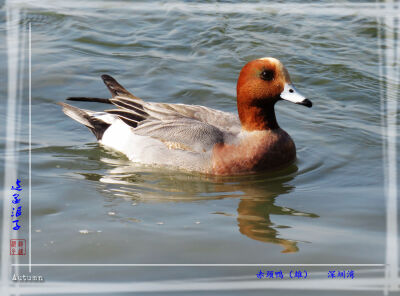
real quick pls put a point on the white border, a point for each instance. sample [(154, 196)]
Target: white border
[(198, 265), (389, 140), (30, 148), (11, 161)]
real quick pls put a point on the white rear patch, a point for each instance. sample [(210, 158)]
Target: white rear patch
[(148, 150)]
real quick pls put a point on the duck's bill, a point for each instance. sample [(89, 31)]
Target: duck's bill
[(291, 94)]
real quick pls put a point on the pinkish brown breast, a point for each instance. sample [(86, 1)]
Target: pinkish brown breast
[(257, 151)]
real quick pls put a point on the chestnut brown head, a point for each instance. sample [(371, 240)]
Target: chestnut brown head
[(260, 85)]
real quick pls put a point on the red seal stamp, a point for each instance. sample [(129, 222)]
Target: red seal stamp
[(17, 247)]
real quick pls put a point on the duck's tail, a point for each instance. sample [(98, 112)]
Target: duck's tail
[(93, 120), (98, 122)]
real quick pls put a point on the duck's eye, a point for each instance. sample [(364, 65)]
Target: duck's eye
[(267, 75)]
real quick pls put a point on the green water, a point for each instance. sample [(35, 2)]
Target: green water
[(90, 205)]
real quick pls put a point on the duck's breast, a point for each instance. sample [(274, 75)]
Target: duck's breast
[(255, 151)]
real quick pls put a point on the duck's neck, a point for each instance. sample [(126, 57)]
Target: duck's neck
[(257, 115)]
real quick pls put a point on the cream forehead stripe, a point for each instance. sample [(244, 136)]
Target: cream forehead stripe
[(274, 60)]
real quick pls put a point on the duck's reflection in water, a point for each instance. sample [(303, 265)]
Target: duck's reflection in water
[(257, 194), (254, 221), (258, 204)]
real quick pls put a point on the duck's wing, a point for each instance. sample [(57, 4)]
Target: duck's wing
[(179, 126), (173, 128), (225, 121), (191, 127), (182, 133), (126, 101)]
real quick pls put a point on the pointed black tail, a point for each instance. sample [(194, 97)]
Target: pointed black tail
[(89, 99)]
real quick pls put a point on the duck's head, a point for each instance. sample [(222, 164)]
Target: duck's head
[(261, 84)]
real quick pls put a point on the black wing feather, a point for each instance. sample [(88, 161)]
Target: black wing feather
[(115, 88)]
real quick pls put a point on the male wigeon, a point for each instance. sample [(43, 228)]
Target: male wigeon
[(198, 138)]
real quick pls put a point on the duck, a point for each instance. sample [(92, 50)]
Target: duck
[(197, 138)]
